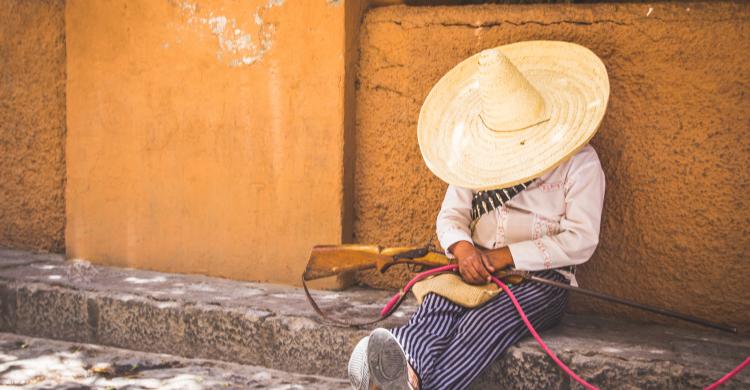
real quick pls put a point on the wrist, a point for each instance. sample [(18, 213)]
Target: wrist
[(461, 248), (500, 258)]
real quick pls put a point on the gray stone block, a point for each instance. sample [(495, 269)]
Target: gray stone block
[(7, 308), (52, 312), (315, 348), (133, 322), (219, 333)]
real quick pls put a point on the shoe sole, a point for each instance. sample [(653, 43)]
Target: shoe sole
[(358, 370), (387, 361)]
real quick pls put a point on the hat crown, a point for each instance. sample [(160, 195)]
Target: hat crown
[(509, 101)]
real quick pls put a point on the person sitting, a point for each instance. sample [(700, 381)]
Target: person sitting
[(508, 129)]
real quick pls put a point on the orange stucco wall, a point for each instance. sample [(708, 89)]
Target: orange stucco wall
[(205, 136), (675, 144), (32, 125)]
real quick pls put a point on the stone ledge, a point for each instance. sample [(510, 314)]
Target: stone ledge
[(28, 362), (272, 326)]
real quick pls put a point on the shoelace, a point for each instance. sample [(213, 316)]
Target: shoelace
[(453, 267)]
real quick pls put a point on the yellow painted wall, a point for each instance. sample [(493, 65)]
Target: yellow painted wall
[(205, 136)]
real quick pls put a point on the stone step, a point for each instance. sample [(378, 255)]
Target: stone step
[(52, 364), (272, 326)]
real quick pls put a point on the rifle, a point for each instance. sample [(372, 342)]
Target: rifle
[(329, 260)]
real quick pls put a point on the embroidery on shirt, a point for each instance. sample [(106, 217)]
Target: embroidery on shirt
[(543, 226), (547, 258), (549, 187), (502, 215)]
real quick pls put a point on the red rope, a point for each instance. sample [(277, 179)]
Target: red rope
[(730, 374), (388, 307), (539, 339)]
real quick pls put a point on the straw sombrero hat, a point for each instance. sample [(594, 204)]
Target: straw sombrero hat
[(509, 114)]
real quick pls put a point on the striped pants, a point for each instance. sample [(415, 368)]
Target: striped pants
[(449, 346)]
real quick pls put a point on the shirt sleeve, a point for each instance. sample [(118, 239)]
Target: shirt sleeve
[(454, 218), (579, 228)]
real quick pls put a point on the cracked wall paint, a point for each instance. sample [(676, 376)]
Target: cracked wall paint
[(242, 40)]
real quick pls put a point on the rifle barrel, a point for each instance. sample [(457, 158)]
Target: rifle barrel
[(653, 309)]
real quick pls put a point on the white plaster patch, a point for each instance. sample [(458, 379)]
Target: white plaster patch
[(188, 6), (611, 350), (238, 43), (55, 277), (217, 24)]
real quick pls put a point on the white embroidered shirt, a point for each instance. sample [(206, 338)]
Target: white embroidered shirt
[(553, 223)]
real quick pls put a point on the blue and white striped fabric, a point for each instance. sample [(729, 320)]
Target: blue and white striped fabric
[(449, 345)]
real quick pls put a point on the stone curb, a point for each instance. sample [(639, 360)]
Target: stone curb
[(81, 366), (272, 326)]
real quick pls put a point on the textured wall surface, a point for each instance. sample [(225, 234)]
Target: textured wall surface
[(675, 144), (205, 136), (32, 124)]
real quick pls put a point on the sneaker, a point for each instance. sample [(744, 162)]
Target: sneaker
[(387, 361), (359, 371)]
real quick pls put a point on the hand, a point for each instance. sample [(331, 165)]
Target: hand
[(473, 264)]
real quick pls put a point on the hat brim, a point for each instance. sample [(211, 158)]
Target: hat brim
[(458, 147)]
